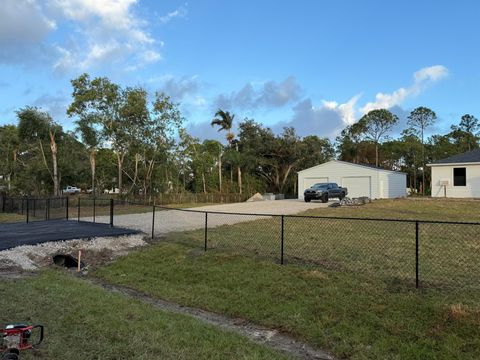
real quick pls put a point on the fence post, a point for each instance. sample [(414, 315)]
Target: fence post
[(28, 212), (66, 207), (281, 253), (206, 230), (94, 210), (416, 255), (46, 208), (34, 206), (4, 200), (111, 212), (78, 209), (153, 222)]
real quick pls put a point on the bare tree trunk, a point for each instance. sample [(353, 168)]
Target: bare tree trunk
[(44, 158), (93, 152), (147, 180), (135, 174), (120, 159), (415, 172), (53, 148), (203, 182), (239, 172), (220, 172), (376, 154), (423, 166)]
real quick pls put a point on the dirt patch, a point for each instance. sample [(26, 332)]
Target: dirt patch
[(261, 335), (95, 251)]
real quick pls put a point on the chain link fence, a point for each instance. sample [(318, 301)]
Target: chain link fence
[(36, 209), (415, 253)]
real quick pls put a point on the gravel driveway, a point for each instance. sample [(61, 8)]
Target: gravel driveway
[(190, 219)]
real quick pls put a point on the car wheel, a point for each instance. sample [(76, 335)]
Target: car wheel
[(308, 200), (325, 198), (341, 197)]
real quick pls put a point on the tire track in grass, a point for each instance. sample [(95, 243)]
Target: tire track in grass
[(258, 334)]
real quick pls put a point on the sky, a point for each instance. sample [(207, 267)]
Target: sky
[(312, 64)]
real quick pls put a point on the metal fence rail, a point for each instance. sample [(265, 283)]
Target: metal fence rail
[(36, 209), (417, 253)]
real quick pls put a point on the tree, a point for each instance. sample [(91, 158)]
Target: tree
[(314, 151), (164, 122), (120, 114), (466, 134), (375, 125), (412, 147), (421, 118), (224, 120), (351, 147), (37, 126), (9, 146), (194, 150), (91, 139)]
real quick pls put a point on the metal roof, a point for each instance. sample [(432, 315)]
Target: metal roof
[(368, 166), (468, 157)]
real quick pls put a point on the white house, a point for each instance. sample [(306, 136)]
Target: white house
[(457, 176), (360, 180)]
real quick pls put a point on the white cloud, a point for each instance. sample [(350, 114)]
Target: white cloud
[(23, 21), (112, 14), (24, 28), (346, 111), (150, 56), (431, 73), (324, 120), (180, 12), (421, 80), (107, 32), (270, 94), (177, 88), (93, 33), (199, 101), (56, 105)]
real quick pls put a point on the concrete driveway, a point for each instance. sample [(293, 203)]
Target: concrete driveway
[(171, 220), (275, 207)]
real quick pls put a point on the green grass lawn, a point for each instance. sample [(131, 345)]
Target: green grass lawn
[(410, 208), (7, 218), (448, 254), (85, 322), (352, 316)]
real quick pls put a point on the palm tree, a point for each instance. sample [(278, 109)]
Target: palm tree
[(224, 119)]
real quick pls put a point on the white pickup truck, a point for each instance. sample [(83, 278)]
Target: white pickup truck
[(71, 190)]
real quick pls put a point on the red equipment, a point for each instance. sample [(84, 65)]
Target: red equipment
[(17, 337)]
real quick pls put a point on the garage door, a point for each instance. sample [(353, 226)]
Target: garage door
[(308, 182), (358, 186)]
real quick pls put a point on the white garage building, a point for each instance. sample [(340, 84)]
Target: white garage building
[(360, 180), (457, 176)]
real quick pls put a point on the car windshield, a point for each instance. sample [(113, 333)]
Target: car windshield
[(320, 186)]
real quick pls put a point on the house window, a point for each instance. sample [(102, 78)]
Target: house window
[(459, 177)]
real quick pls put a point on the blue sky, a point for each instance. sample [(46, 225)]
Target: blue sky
[(315, 65)]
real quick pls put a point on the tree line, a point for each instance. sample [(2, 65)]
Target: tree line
[(137, 144)]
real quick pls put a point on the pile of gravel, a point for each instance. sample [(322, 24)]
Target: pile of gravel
[(31, 257)]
